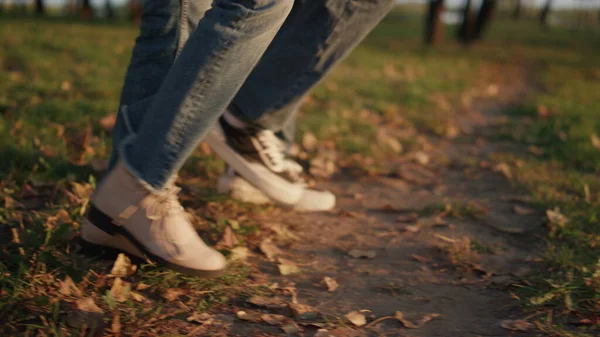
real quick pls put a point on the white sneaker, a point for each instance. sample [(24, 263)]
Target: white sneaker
[(238, 188), (259, 157), (126, 216)]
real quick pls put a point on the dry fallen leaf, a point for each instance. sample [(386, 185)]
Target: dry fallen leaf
[(86, 312), (202, 318), (517, 325), (172, 294), (290, 329), (400, 316), (357, 318), (359, 253), (309, 142), (122, 267), (229, 239), (287, 267), (282, 232), (407, 217), (304, 312), (270, 249), (267, 302), (252, 316), (520, 210), (411, 228), (239, 253), (556, 218), (115, 326), (120, 290), (108, 122), (504, 169), (68, 287), (331, 284), (323, 333), (273, 319), (137, 297)]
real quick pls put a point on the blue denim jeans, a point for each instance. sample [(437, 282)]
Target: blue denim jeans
[(196, 58)]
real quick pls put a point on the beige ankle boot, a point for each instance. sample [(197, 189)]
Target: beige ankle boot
[(126, 216)]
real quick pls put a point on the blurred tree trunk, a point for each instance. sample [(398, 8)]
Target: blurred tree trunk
[(516, 14), (545, 12), (466, 27), (434, 27), (136, 9), (40, 8), (110, 11), (485, 15), (87, 11)]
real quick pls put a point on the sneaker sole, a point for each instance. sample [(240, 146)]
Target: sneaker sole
[(275, 187), (103, 222)]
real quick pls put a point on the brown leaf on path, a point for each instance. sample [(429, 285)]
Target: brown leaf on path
[(202, 318), (86, 312), (520, 210), (68, 287), (517, 325), (122, 267), (229, 239), (357, 318), (331, 284), (503, 169), (172, 294), (239, 253), (304, 312), (251, 316), (267, 302), (411, 228), (411, 217), (108, 122), (360, 254), (78, 145), (273, 319), (323, 333), (282, 232), (270, 249), (432, 221), (420, 258), (290, 329), (115, 325), (120, 290), (416, 174), (400, 316), (287, 267)]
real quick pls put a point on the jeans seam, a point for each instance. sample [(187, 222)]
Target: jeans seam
[(183, 28)]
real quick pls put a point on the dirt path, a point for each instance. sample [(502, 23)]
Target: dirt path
[(457, 266)]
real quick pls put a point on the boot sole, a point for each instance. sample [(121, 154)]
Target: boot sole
[(103, 222)]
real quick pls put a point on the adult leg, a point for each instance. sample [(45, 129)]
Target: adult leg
[(135, 207)]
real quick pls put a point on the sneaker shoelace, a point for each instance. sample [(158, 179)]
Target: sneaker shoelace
[(165, 203), (275, 149)]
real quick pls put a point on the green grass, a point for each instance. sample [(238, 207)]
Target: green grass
[(57, 77)]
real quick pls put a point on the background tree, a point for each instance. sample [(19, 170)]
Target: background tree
[(110, 11), (40, 8), (87, 12), (545, 12), (466, 26), (484, 16), (135, 10), (517, 10), (434, 27)]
